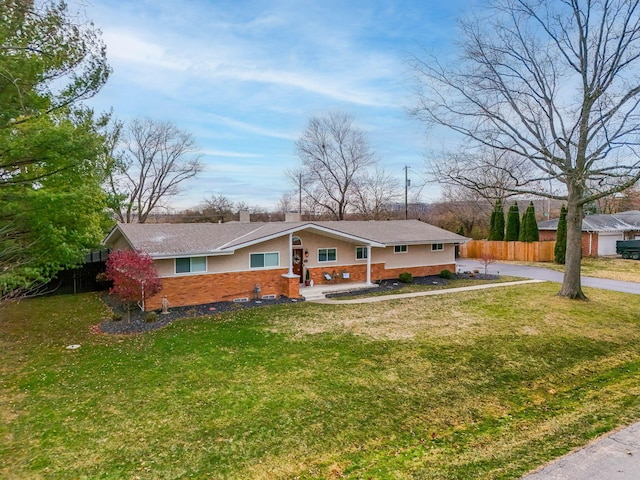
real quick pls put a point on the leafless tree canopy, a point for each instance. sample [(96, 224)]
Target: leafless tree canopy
[(333, 153), (554, 84), (156, 157), (374, 193), (218, 208), (466, 208)]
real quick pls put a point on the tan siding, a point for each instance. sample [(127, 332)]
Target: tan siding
[(165, 267), (346, 251), (240, 261), (416, 255), (121, 244)]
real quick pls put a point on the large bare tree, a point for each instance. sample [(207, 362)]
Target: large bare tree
[(554, 84), (154, 159), (375, 192), (333, 153), (218, 208)]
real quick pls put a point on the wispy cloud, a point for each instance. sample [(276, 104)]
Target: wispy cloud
[(229, 154), (245, 76)]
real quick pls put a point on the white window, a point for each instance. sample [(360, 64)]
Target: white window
[(327, 254), (400, 249), (437, 246), (265, 260), (361, 253), (191, 264)]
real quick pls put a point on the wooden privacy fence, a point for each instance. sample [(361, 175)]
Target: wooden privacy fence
[(518, 251)]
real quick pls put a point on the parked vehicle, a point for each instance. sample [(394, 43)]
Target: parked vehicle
[(628, 249)]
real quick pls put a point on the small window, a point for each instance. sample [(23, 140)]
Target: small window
[(191, 264), (437, 246), (361, 253), (265, 260), (296, 241), (327, 254), (400, 249)]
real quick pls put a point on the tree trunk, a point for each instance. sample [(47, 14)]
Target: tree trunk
[(571, 284)]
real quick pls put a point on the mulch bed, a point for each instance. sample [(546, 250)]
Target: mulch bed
[(395, 284), (137, 323)]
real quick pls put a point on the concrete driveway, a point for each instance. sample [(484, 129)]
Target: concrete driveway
[(549, 275)]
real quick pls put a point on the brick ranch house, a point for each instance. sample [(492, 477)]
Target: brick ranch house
[(201, 263), (599, 232)]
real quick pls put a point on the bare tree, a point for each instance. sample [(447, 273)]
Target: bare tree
[(218, 208), (466, 208), (553, 84), (287, 203), (468, 170), (333, 152), (155, 158), (375, 192), (630, 200)]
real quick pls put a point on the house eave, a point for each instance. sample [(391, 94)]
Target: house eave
[(165, 256)]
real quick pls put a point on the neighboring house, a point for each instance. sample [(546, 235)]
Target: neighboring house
[(202, 263), (599, 232)]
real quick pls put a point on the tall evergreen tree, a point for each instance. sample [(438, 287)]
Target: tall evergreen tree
[(513, 223), (492, 225), (496, 229), (529, 226), (560, 250), (52, 151), (523, 227), (499, 227)]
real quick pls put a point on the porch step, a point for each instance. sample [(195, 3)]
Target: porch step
[(314, 296), (319, 292)]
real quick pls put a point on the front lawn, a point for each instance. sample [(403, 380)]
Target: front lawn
[(484, 384)]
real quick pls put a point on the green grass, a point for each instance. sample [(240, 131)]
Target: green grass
[(485, 384)]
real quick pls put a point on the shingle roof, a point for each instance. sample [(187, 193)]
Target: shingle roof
[(167, 239), (616, 222)]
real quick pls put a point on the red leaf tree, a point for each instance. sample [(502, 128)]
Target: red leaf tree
[(134, 276)]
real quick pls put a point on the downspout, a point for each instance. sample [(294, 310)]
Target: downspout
[(368, 264), (290, 254)]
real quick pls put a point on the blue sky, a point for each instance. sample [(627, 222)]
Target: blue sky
[(244, 77)]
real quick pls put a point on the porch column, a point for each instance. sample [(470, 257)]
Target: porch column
[(368, 264), (290, 254)]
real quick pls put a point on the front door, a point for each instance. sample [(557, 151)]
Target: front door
[(297, 262)]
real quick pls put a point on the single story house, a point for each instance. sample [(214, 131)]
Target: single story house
[(599, 232), (208, 262)]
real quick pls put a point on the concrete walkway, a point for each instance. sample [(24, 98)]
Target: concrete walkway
[(614, 457), (397, 296)]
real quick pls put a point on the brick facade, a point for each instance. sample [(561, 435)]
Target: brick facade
[(589, 241), (358, 273), (200, 289)]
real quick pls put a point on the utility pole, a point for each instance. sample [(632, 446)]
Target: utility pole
[(407, 184)]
